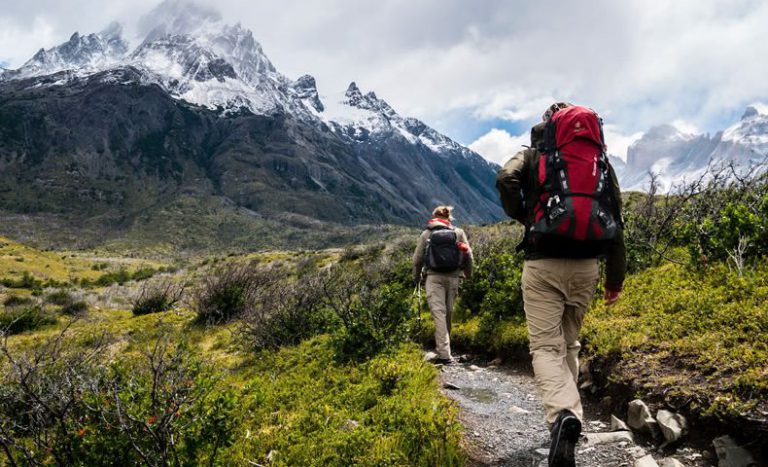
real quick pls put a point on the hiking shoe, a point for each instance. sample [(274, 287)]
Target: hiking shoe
[(444, 361), (565, 434)]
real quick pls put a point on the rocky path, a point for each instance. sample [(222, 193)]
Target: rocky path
[(503, 417)]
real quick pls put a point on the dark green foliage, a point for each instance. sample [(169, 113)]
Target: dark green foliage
[(59, 297), (494, 288), (75, 308), (121, 276), (229, 292), (19, 319), (16, 300), (68, 407), (26, 281), (287, 311)]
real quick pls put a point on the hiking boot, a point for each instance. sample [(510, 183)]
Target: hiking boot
[(444, 361), (565, 434)]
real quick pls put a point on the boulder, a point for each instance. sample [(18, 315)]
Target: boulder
[(729, 454), (618, 424), (610, 437), (672, 425), (639, 418), (646, 461), (670, 462)]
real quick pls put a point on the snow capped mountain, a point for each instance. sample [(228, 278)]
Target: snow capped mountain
[(197, 111), (89, 53), (676, 157), (195, 57)]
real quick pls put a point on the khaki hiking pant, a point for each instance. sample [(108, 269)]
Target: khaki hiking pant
[(556, 293), (441, 294)]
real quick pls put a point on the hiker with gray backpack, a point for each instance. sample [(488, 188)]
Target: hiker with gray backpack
[(565, 192), (441, 258)]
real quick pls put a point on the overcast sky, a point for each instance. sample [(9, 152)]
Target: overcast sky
[(483, 71)]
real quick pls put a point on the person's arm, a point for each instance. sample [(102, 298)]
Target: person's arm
[(468, 256), (418, 257), (616, 255), (509, 182)]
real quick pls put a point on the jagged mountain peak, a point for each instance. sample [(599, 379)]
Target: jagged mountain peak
[(750, 112)]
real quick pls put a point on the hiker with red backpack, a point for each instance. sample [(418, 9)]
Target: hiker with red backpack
[(442, 257), (565, 192)]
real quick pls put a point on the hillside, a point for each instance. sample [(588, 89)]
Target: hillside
[(102, 144)]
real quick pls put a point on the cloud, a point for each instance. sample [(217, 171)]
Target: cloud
[(637, 63), (499, 146), (618, 142)]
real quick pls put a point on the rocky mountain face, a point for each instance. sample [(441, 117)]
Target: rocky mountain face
[(677, 157), (193, 134)]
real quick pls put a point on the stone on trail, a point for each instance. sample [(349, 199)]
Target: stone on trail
[(451, 386), (670, 462), (672, 425), (646, 461), (618, 424), (639, 418), (496, 362), (516, 409), (610, 437), (430, 356), (730, 454)]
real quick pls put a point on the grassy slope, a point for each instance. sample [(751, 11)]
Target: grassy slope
[(298, 406), (676, 335)]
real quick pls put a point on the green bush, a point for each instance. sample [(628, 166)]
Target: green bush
[(70, 407), (228, 293), (286, 312), (60, 297), (74, 308), (21, 319), (157, 297), (26, 281), (16, 300)]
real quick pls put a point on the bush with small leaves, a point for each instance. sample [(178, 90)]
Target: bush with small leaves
[(20, 319), (228, 293), (157, 296), (74, 308)]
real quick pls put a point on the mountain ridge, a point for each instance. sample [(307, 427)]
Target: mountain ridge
[(204, 116)]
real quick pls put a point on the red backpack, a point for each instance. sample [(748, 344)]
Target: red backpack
[(574, 199)]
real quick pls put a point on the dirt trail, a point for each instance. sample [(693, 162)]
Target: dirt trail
[(504, 422)]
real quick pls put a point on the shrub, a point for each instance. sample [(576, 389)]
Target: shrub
[(228, 293), (157, 297), (74, 308), (27, 281), (60, 297), (494, 288), (16, 300), (285, 313), (66, 406), (121, 276), (21, 319), (372, 307)]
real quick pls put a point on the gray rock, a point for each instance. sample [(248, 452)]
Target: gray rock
[(429, 356), (670, 462), (610, 437), (672, 425), (516, 409), (729, 454), (646, 461), (639, 418), (637, 452), (618, 424), (451, 386), (351, 425)]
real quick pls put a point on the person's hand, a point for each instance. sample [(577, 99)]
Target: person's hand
[(611, 296)]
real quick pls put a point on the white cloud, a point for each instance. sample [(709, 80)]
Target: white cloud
[(638, 63), (498, 145), (686, 127)]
